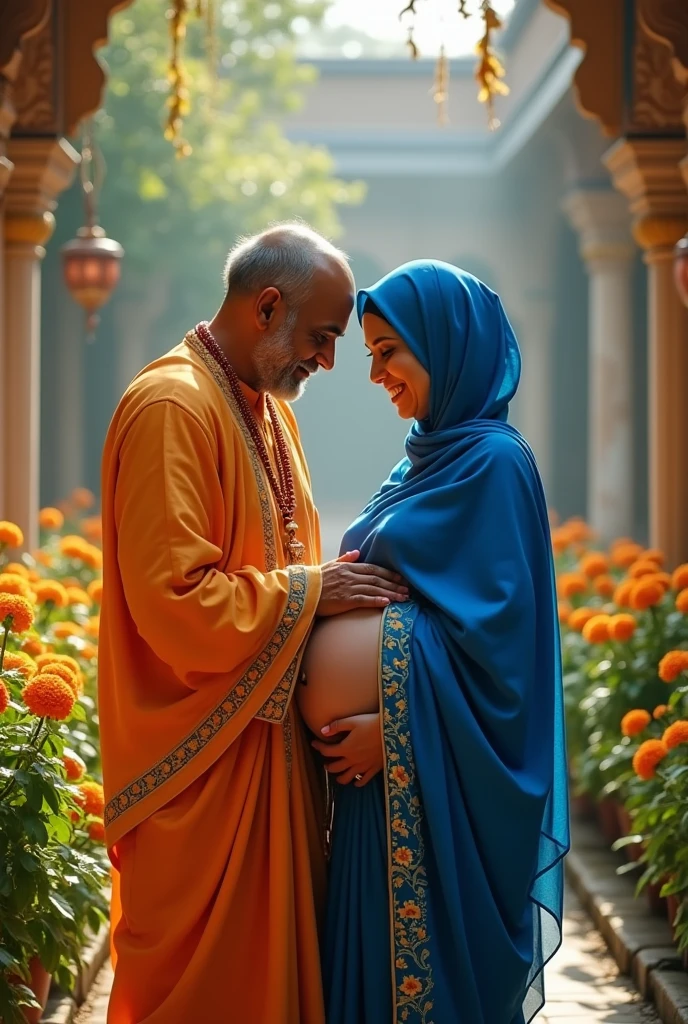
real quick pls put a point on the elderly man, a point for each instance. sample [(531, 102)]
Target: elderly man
[(212, 583)]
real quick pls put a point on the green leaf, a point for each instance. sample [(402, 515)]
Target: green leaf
[(36, 829), (61, 906), (60, 828)]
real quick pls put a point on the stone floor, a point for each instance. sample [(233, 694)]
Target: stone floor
[(583, 984)]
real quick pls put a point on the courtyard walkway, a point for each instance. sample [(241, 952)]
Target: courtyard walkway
[(583, 984)]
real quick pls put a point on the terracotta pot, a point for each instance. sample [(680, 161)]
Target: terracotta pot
[(608, 818), (634, 850), (582, 806), (656, 903), (40, 986)]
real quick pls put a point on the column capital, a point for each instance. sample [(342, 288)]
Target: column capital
[(601, 219), (648, 173), (43, 169)]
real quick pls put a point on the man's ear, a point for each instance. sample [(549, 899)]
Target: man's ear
[(266, 305)]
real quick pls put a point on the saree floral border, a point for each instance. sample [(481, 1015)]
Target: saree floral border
[(413, 980), (213, 724)]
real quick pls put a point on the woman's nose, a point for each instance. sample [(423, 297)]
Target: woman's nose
[(377, 373)]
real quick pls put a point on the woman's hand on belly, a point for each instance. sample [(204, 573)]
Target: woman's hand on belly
[(360, 753)]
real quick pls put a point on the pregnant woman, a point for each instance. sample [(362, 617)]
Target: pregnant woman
[(451, 823)]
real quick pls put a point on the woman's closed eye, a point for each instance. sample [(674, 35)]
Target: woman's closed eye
[(383, 352)]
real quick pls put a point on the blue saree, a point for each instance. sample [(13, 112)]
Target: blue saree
[(446, 875)]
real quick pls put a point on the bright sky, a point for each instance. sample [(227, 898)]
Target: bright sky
[(436, 21)]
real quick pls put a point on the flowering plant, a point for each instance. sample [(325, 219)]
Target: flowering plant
[(53, 870), (625, 651)]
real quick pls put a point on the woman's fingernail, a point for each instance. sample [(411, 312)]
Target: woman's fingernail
[(325, 730)]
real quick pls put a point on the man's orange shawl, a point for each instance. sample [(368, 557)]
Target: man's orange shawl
[(212, 806)]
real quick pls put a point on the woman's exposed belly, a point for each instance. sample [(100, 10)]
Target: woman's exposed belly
[(340, 667)]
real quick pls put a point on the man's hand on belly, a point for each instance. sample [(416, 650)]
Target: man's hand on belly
[(348, 584), (359, 755)]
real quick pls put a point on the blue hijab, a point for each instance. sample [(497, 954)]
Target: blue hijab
[(463, 518)]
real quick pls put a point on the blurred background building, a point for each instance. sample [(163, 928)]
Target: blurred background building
[(570, 210)]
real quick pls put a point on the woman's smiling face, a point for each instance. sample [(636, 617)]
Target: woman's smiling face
[(406, 381)]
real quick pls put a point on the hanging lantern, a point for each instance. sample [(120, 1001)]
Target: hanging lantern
[(681, 268), (91, 262)]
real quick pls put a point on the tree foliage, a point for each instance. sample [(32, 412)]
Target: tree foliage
[(181, 215)]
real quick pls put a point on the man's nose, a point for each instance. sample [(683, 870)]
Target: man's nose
[(325, 356)]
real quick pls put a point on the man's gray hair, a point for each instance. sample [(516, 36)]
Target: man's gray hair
[(285, 256)]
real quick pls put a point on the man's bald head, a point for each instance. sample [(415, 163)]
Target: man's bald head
[(286, 257), (289, 297)]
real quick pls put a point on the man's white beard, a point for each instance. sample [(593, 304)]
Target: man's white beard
[(276, 367)]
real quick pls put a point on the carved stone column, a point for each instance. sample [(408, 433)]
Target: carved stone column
[(43, 168), (600, 217), (647, 172)]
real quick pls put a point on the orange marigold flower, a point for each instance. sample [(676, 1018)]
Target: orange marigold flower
[(647, 757), (605, 585), (675, 733), (93, 557), (18, 611), (95, 591), (18, 569), (571, 583), (74, 766), (89, 652), (51, 519), (679, 577), (96, 830), (624, 555), (34, 576), (73, 545), (564, 609), (83, 498), (622, 594), (77, 595), (93, 626), (578, 529), (672, 665), (654, 555), (594, 564), (63, 630), (91, 798), (51, 591), (50, 658), (646, 593), (11, 535), (560, 541), (48, 696), (13, 583), (20, 662), (662, 578), (92, 528), (660, 711), (633, 722), (682, 601), (4, 698), (66, 672), (411, 986), (578, 618), (622, 627), (596, 629), (43, 558), (32, 646), (642, 567)]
